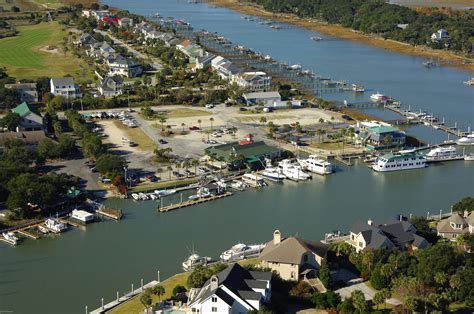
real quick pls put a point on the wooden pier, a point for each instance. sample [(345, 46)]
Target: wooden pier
[(28, 234), (193, 202), (115, 214)]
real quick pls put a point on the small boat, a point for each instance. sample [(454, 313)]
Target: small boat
[(469, 82), (241, 251), (316, 38), (55, 225), (201, 193), (163, 193), (469, 157), (143, 196), (43, 229), (428, 64), (296, 67), (378, 97), (135, 196), (238, 185), (153, 196), (254, 180), (10, 238), (466, 140), (195, 260), (358, 88)]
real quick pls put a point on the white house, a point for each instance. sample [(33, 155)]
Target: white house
[(440, 35), (124, 67), (65, 87), (254, 81), (266, 98), (204, 61), (31, 120), (125, 22), (233, 290)]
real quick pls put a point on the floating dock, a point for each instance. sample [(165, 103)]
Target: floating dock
[(115, 214), (193, 202)]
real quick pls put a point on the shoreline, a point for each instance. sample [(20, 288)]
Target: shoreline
[(446, 58)]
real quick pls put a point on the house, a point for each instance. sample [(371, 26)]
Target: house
[(193, 52), (183, 45), (27, 91), (30, 138), (224, 68), (440, 35), (65, 87), (378, 135), (265, 98), (204, 61), (124, 67), (125, 22), (111, 86), (99, 49), (254, 81), (456, 225), (233, 290), (395, 234), (292, 257), (251, 152), (85, 40), (31, 120), (100, 14)]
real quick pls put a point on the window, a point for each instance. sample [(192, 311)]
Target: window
[(214, 299), (214, 309)]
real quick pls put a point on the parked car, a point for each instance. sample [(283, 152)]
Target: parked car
[(151, 178), (209, 106), (162, 141), (194, 128)]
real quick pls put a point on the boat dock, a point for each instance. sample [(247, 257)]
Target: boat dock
[(192, 202), (28, 234), (115, 214)]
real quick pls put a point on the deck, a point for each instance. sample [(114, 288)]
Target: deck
[(193, 202)]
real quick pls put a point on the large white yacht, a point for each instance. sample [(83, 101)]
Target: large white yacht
[(254, 180), (241, 251), (10, 238), (400, 161), (317, 165), (272, 173), (378, 97), (441, 153), (293, 171), (55, 225), (466, 140), (195, 260)]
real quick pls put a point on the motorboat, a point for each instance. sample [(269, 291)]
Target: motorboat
[(399, 161), (143, 196), (10, 238), (43, 229), (135, 196), (469, 157), (469, 82), (272, 173), (378, 97), (55, 225), (315, 38), (358, 88), (293, 171), (238, 185), (202, 192), (254, 180), (241, 251), (440, 153), (317, 165), (153, 196), (466, 140), (195, 260), (163, 193)]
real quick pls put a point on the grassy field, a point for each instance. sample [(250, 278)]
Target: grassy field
[(137, 136), (163, 184), (186, 113), (23, 55)]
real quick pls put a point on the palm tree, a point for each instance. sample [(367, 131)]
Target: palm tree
[(195, 163), (186, 165), (199, 122), (212, 120), (169, 168), (162, 121), (321, 120), (168, 128), (159, 291), (332, 122), (263, 120)]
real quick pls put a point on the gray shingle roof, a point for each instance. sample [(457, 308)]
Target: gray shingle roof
[(61, 81)]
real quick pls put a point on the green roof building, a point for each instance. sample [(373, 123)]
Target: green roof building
[(31, 119), (252, 152)]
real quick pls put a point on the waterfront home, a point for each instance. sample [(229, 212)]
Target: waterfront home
[(125, 22), (31, 119), (111, 86), (395, 234), (293, 257), (250, 153), (264, 98), (124, 67), (378, 135), (456, 225), (254, 81), (31, 139), (225, 68), (233, 290), (204, 61), (65, 87), (193, 52), (26, 91), (440, 35), (100, 14)]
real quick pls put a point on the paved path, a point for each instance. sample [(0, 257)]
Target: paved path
[(368, 292)]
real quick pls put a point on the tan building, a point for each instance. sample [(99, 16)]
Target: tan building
[(455, 225), (292, 257)]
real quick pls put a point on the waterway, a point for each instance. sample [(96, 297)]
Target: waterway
[(63, 274)]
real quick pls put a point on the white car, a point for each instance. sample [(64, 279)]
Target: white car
[(209, 106)]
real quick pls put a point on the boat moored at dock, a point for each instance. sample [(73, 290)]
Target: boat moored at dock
[(316, 165), (55, 225), (254, 180), (466, 140), (82, 216), (241, 251), (293, 171), (399, 161), (10, 238), (378, 97), (272, 173), (442, 153), (195, 260)]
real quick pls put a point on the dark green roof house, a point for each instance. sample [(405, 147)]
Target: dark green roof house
[(31, 119), (253, 152)]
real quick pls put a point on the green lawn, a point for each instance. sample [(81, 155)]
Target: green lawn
[(23, 57)]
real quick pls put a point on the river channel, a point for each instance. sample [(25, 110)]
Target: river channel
[(63, 274)]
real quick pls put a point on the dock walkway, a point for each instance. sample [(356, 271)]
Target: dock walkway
[(193, 202)]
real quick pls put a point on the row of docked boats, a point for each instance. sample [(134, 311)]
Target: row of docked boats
[(238, 252), (297, 170), (152, 196)]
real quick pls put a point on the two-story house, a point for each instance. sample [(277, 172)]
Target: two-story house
[(111, 86), (26, 91), (233, 290), (456, 225), (124, 67), (31, 120), (65, 87), (254, 81)]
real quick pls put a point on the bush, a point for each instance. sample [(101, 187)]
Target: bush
[(301, 290), (178, 289), (376, 279)]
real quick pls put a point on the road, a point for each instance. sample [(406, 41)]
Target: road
[(153, 62)]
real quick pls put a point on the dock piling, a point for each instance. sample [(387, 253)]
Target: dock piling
[(118, 298), (158, 276)]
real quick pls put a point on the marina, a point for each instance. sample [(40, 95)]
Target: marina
[(170, 207)]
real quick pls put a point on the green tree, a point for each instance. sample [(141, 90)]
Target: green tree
[(199, 122), (146, 300), (159, 290), (111, 165), (413, 304), (376, 279), (381, 296), (324, 274), (358, 300), (212, 120), (263, 120), (10, 121), (179, 289), (465, 204)]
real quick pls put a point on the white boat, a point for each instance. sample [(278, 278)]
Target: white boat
[(317, 165), (466, 140), (195, 260), (271, 172), (43, 229), (316, 38), (201, 193), (241, 251), (254, 180), (469, 157), (143, 196), (441, 153), (357, 88), (238, 185), (10, 238), (55, 225), (378, 97), (153, 196), (395, 162), (293, 171), (82, 216), (163, 193), (469, 82), (135, 196)]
